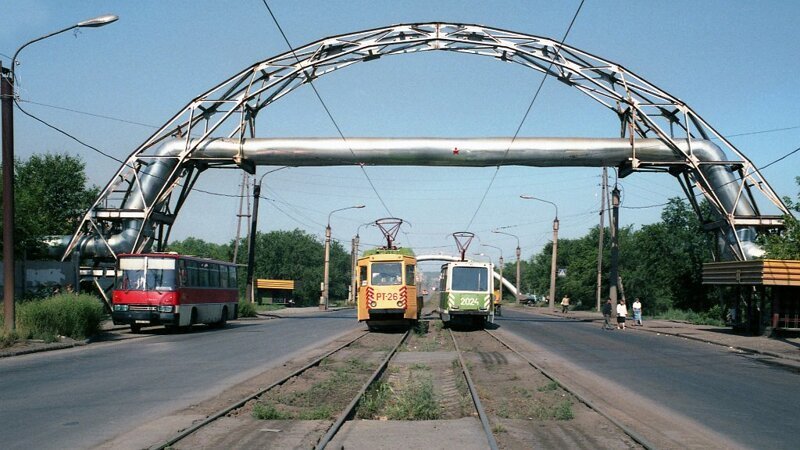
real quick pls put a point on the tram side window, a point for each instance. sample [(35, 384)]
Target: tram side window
[(443, 280), (410, 275), (363, 275)]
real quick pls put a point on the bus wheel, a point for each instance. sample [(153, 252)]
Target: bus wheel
[(135, 328), (223, 320)]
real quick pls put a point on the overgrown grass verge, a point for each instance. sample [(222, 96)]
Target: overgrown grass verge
[(711, 317), (70, 315)]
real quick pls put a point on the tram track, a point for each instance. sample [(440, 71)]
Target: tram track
[(232, 409), (490, 357)]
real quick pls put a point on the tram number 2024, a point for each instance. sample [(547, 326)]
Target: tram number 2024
[(390, 296), (469, 301)]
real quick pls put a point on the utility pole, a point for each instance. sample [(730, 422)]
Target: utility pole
[(613, 279), (601, 238), (7, 95), (240, 215)]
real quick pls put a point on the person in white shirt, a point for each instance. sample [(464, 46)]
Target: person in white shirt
[(622, 314), (637, 312)]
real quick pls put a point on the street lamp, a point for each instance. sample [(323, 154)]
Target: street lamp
[(519, 297), (323, 300), (555, 249), (7, 77), (501, 266), (251, 244)]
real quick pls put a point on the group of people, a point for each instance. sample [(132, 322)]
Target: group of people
[(622, 314)]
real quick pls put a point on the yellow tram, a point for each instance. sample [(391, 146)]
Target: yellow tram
[(387, 291)]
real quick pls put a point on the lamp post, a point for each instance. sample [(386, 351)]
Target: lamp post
[(7, 77), (519, 297), (251, 240), (555, 249), (354, 264), (501, 266), (323, 299)]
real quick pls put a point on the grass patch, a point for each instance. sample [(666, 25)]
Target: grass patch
[(420, 366), (269, 307), (319, 390), (563, 411), (268, 411), (551, 386), (711, 317), (421, 328), (374, 400), (416, 402), (70, 315), (498, 428)]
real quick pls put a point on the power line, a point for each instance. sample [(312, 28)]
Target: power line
[(325, 107), (524, 117), (100, 116)]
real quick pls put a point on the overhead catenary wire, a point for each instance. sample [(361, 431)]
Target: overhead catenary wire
[(524, 118)]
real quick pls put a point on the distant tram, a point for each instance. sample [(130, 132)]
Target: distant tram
[(173, 290), (466, 293), (387, 291)]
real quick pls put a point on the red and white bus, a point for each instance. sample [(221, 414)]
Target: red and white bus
[(173, 290)]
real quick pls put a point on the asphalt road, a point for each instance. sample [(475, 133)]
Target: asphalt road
[(749, 402), (81, 397)]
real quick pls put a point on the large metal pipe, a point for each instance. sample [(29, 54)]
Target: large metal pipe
[(447, 152)]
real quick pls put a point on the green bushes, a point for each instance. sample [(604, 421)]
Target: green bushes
[(246, 309), (711, 317), (74, 316)]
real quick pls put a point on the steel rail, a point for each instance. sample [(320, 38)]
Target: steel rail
[(181, 435), (353, 403), (627, 430), (474, 393)]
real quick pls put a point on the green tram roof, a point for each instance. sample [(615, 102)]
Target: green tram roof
[(383, 251)]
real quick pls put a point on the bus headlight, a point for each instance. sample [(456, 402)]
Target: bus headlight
[(165, 309), (120, 308)]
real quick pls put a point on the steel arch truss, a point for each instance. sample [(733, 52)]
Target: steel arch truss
[(230, 109)]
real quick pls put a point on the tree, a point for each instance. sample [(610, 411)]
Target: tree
[(51, 196), (296, 255), (786, 243), (198, 247)]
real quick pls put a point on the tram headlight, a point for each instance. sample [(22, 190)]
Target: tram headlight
[(373, 304), (120, 308), (400, 304)]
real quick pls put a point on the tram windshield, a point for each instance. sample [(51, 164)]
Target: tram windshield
[(470, 279), (387, 273)]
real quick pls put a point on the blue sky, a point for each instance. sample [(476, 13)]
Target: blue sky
[(733, 62)]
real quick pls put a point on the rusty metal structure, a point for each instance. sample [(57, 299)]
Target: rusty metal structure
[(657, 132)]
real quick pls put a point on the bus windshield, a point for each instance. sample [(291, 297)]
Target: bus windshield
[(386, 273), (146, 273), (470, 279)]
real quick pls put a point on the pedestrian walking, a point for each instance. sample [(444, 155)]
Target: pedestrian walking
[(622, 314), (637, 312), (565, 304), (606, 309)]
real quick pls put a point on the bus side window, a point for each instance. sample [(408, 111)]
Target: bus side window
[(191, 268), (213, 275), (363, 276), (223, 276), (231, 276), (183, 276)]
